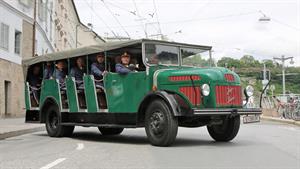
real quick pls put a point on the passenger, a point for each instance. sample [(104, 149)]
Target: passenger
[(34, 81), (59, 72), (48, 72), (98, 69), (124, 67), (78, 71)]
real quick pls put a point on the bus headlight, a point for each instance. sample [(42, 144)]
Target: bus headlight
[(249, 91), (205, 89)]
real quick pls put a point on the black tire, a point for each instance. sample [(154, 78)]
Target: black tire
[(53, 123), (226, 131), (110, 131), (160, 124)]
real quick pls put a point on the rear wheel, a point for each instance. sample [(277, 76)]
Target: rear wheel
[(53, 123), (160, 124), (110, 131), (225, 131)]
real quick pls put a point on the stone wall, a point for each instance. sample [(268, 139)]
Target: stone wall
[(12, 100)]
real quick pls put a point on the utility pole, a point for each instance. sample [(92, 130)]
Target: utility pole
[(34, 28), (283, 59)]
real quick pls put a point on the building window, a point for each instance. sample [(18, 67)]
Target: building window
[(43, 9), (4, 36), (26, 3), (18, 42)]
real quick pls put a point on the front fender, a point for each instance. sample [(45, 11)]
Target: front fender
[(175, 102)]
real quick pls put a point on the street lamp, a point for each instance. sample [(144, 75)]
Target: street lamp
[(283, 59), (264, 18)]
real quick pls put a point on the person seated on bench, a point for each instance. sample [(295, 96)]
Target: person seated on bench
[(124, 67), (48, 71), (59, 72), (78, 71), (35, 80), (98, 70)]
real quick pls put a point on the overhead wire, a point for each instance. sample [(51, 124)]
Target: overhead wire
[(101, 19), (141, 19), (156, 15), (115, 18)]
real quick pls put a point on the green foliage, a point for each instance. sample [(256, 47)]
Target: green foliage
[(249, 68)]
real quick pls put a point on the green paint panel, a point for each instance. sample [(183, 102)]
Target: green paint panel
[(50, 88), (90, 93), (125, 92), (72, 94)]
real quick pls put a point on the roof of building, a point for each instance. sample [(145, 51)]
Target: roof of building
[(78, 18)]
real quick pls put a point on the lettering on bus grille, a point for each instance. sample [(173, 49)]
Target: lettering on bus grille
[(229, 95)]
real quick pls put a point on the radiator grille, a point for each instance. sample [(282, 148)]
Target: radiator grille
[(229, 95)]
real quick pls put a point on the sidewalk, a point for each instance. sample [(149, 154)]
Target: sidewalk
[(280, 120), (10, 127)]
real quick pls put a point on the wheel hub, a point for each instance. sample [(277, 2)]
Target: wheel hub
[(53, 121), (157, 123)]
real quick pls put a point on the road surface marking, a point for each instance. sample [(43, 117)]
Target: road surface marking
[(54, 163), (80, 146)]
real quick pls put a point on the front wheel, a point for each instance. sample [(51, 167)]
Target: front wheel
[(225, 131), (110, 131), (160, 124), (53, 123)]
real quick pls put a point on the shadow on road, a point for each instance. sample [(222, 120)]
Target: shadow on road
[(142, 140)]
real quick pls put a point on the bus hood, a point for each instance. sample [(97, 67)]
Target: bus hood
[(205, 75)]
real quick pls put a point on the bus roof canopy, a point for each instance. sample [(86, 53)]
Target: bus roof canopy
[(96, 49), (88, 50)]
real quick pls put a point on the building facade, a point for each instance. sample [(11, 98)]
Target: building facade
[(58, 27)]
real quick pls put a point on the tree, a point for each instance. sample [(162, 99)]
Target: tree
[(229, 62)]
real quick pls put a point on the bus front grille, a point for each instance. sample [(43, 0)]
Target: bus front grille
[(229, 95)]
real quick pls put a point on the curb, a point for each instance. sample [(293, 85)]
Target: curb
[(20, 132), (286, 121)]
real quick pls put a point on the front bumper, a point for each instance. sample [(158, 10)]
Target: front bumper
[(227, 111)]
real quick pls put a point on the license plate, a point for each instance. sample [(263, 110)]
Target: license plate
[(251, 119)]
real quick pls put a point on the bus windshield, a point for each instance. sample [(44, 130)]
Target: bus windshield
[(161, 54), (195, 57)]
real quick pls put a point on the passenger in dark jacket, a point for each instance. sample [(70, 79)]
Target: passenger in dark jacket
[(98, 67), (48, 71), (124, 67), (78, 72), (35, 80), (59, 72)]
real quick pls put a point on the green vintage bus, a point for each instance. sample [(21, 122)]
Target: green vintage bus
[(174, 85)]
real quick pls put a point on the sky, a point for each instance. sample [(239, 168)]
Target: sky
[(232, 27)]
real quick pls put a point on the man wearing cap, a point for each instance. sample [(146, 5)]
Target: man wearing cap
[(124, 67)]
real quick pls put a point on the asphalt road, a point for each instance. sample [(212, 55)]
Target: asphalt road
[(262, 145)]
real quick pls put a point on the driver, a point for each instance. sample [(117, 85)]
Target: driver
[(124, 67)]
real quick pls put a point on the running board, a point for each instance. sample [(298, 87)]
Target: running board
[(99, 125)]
